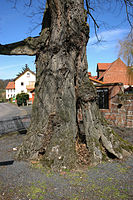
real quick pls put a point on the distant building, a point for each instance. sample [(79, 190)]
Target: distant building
[(115, 72), (115, 92), (24, 83), (10, 90)]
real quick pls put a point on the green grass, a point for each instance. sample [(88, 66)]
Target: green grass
[(37, 191)]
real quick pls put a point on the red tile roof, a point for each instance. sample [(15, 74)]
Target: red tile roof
[(89, 73), (95, 77), (116, 73), (96, 81), (10, 85), (103, 66)]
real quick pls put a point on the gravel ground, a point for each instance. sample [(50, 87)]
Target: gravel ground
[(30, 181)]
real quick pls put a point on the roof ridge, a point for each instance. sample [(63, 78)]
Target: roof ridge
[(109, 68), (105, 71), (27, 69), (103, 63)]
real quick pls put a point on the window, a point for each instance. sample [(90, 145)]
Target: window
[(28, 74), (103, 98), (22, 83)]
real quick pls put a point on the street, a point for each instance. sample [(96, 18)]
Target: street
[(8, 110)]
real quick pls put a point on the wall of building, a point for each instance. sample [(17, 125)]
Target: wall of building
[(10, 93), (26, 79), (120, 112)]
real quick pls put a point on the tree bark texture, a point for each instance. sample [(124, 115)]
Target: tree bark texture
[(25, 47), (67, 128)]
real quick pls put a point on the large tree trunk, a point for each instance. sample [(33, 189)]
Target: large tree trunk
[(67, 128)]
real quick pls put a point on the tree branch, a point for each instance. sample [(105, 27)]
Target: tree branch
[(128, 18), (24, 47), (96, 26), (29, 4)]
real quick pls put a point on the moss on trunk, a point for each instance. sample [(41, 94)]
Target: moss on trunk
[(67, 129)]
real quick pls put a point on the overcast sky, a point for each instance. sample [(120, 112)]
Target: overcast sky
[(15, 26)]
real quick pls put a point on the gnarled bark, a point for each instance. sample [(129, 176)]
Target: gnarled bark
[(25, 47), (67, 128)]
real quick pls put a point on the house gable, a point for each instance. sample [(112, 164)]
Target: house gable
[(25, 82), (102, 67), (116, 73), (26, 70)]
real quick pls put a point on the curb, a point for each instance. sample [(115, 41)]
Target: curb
[(15, 124)]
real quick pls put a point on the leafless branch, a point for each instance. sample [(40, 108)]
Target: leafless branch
[(34, 28), (95, 23), (15, 3), (24, 47), (128, 18), (29, 4)]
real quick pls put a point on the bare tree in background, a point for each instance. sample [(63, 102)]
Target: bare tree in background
[(126, 51), (67, 129)]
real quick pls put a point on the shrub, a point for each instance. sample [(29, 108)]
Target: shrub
[(22, 99), (10, 100)]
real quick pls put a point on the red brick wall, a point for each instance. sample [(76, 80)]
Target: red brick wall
[(120, 112)]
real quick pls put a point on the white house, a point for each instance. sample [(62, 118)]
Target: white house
[(10, 90), (25, 82)]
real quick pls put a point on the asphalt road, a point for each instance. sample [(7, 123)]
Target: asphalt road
[(8, 110)]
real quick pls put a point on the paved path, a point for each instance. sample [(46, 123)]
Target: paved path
[(8, 110), (26, 181), (14, 118)]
